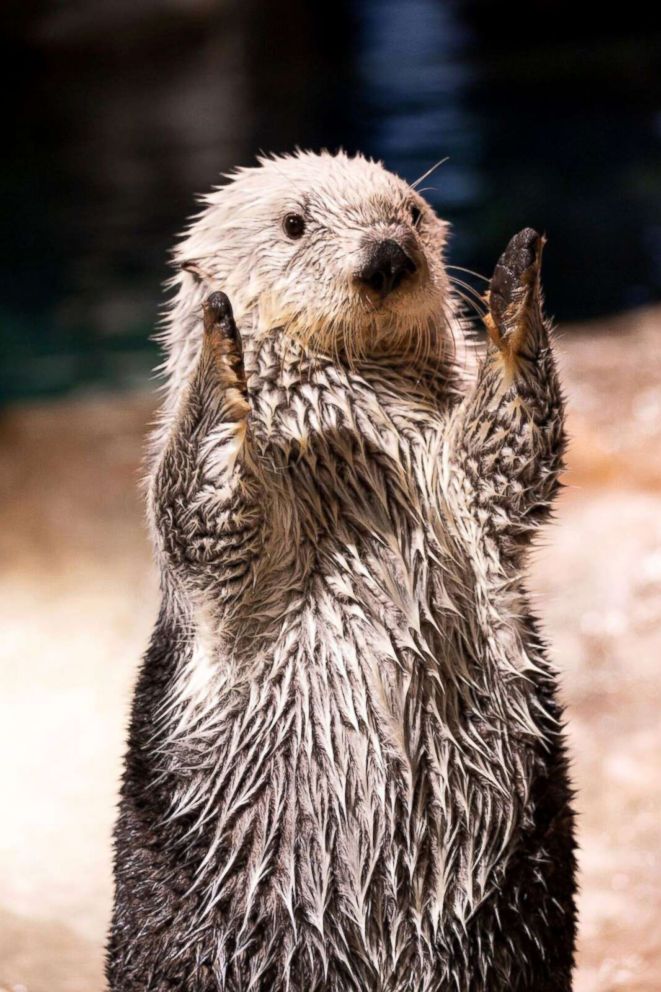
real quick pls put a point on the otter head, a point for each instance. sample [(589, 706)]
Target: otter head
[(331, 250)]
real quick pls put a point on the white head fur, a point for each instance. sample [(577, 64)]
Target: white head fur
[(309, 286)]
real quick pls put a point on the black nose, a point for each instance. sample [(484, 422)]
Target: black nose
[(387, 267)]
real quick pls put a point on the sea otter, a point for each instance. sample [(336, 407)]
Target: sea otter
[(346, 768)]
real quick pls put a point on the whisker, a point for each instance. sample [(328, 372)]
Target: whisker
[(469, 303), (429, 172), (471, 272), (470, 307), (470, 290)]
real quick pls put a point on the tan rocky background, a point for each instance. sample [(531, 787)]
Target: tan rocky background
[(78, 595)]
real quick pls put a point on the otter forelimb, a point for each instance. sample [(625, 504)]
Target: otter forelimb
[(507, 438), (205, 497)]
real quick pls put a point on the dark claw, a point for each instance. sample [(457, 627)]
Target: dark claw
[(218, 313), (220, 304), (218, 318), (519, 258)]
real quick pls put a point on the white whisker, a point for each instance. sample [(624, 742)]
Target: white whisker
[(429, 172)]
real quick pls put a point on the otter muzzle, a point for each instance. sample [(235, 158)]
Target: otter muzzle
[(388, 266)]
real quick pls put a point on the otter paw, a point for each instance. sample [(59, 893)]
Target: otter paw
[(218, 314), (223, 337), (514, 291)]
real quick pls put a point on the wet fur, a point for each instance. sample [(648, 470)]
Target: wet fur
[(346, 768)]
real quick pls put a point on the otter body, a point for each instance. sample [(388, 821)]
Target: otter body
[(346, 769)]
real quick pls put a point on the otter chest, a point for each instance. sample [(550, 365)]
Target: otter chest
[(352, 740)]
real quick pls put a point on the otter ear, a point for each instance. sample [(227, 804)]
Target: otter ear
[(196, 268)]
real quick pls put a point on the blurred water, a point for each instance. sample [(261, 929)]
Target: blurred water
[(121, 112)]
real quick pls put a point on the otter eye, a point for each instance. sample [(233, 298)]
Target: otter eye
[(294, 225), (416, 214)]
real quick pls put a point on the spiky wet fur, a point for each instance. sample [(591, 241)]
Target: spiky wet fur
[(346, 768)]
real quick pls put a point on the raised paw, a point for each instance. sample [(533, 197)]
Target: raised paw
[(223, 337), (514, 296)]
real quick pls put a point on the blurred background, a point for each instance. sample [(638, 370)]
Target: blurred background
[(115, 116)]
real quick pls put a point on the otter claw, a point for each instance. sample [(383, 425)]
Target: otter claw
[(513, 287), (515, 270), (218, 313), (223, 335)]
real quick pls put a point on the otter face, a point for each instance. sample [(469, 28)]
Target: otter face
[(333, 250)]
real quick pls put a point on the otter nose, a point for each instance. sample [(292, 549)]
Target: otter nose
[(388, 265)]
